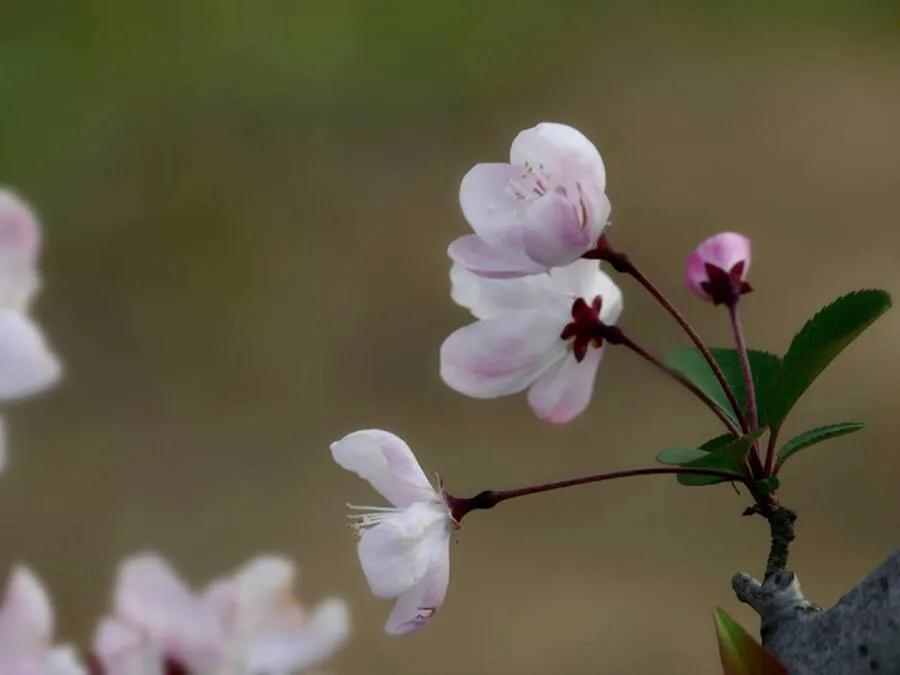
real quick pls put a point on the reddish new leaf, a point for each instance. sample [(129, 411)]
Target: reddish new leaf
[(741, 654)]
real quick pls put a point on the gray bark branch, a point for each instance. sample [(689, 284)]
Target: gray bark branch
[(860, 634)]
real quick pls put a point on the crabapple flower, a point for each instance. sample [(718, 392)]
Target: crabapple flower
[(541, 333), (26, 631), (717, 269), (545, 208), (27, 365), (404, 549), (247, 624)]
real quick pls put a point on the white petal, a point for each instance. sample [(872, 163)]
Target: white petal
[(502, 355), (553, 234), (487, 201), (64, 661), (419, 604), (387, 462), (122, 650), (585, 279), (497, 262), (563, 151), (287, 651), (564, 391), (26, 617), (151, 597), (394, 554), (20, 240), (26, 363), (487, 298)]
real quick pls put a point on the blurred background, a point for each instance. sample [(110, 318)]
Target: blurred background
[(247, 206)]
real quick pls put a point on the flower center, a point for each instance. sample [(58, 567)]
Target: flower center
[(367, 517), (585, 329)]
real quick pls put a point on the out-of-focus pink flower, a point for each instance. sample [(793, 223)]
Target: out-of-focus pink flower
[(404, 549), (546, 208), (247, 624), (717, 269), (536, 332), (27, 365), (26, 631)]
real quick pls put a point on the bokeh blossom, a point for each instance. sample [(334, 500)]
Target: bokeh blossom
[(404, 549), (717, 269), (532, 333), (545, 208), (26, 631), (27, 365), (246, 624)]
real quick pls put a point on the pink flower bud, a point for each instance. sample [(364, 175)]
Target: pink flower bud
[(717, 269)]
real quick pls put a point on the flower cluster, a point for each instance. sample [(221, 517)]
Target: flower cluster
[(544, 310), (248, 623)]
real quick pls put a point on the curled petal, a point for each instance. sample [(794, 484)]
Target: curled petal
[(553, 230), (27, 365), (561, 151), (487, 298), (415, 608), (393, 554), (564, 390), (504, 354), (386, 461), (488, 202), (497, 262), (287, 650)]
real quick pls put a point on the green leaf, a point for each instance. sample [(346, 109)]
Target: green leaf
[(725, 453), (679, 456), (764, 366), (817, 435), (767, 485), (819, 342), (741, 654)]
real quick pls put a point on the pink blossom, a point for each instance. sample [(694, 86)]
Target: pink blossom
[(536, 333), (245, 624), (26, 631), (27, 365), (404, 549), (717, 269), (546, 208)]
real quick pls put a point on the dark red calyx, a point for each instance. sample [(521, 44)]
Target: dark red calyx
[(725, 287), (585, 329)]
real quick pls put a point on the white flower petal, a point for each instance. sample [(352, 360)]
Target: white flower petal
[(553, 233), (563, 391), (487, 298), (502, 355), (64, 661), (564, 153), (498, 262), (394, 554), (488, 203), (290, 650), (585, 279), (20, 239), (387, 462), (415, 608), (26, 616), (26, 363), (122, 650)]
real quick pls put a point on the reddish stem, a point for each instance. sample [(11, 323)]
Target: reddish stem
[(460, 506)]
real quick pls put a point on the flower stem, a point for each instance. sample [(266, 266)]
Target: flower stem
[(460, 506), (615, 335), (622, 263), (741, 343)]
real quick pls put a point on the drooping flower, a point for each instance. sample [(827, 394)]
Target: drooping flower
[(717, 269), (545, 208), (404, 549), (542, 332), (27, 366), (247, 624), (26, 631)]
